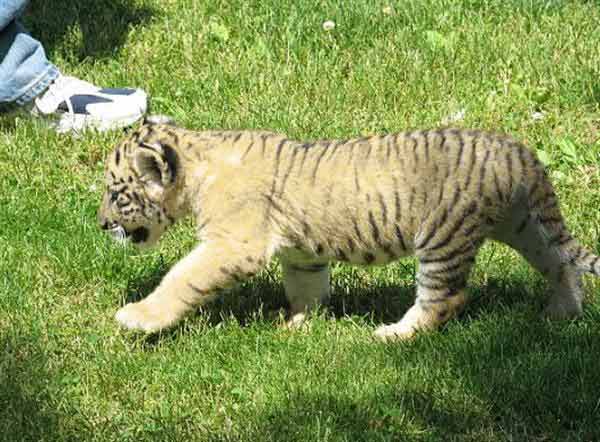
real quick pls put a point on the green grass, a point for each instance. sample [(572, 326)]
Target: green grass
[(498, 373)]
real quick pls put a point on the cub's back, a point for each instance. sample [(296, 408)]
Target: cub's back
[(390, 179)]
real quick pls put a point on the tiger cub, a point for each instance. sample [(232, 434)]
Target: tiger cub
[(256, 195)]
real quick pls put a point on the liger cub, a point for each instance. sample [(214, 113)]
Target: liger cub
[(437, 194)]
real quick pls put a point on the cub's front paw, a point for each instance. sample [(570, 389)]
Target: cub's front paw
[(145, 316), (394, 332)]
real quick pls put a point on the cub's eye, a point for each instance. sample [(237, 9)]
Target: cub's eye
[(113, 196)]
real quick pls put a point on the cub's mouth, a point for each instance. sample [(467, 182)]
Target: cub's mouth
[(121, 235)]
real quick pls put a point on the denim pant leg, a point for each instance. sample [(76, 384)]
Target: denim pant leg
[(24, 70)]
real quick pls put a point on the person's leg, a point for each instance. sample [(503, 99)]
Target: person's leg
[(10, 10), (24, 70)]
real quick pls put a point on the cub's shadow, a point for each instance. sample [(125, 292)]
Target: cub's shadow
[(103, 24), (548, 377), (263, 298), (360, 418)]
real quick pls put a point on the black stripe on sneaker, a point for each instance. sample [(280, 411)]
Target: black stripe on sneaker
[(79, 103)]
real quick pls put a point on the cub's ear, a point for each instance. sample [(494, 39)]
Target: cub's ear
[(157, 166), (159, 119)]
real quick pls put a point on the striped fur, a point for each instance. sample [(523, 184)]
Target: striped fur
[(437, 194)]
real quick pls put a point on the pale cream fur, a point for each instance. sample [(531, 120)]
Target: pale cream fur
[(258, 195)]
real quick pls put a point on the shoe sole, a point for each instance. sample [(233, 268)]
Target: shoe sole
[(80, 123)]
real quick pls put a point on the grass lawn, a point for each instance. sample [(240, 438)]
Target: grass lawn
[(498, 373)]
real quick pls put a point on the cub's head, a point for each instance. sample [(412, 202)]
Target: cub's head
[(141, 177)]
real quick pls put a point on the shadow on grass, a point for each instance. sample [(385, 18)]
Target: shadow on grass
[(381, 416), (536, 382), (546, 386), (7, 123), (143, 284), (514, 377), (104, 24), (263, 298), (27, 408), (264, 293)]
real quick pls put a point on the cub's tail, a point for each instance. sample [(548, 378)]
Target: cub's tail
[(543, 203)]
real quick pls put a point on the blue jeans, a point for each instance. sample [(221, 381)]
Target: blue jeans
[(24, 70)]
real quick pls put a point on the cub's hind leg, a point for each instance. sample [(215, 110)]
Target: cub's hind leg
[(524, 233), (306, 286), (440, 296), (444, 265)]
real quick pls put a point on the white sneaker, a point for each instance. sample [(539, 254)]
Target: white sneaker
[(76, 105)]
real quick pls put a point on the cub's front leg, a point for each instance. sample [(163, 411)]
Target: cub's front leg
[(192, 282), (306, 286)]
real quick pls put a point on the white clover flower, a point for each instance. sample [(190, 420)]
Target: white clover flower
[(388, 10), (328, 25), (453, 118), (537, 116)]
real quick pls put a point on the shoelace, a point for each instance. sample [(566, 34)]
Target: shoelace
[(59, 91)]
